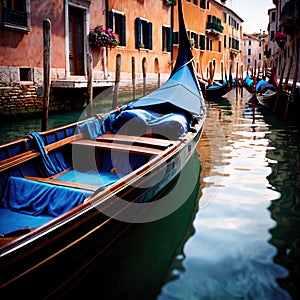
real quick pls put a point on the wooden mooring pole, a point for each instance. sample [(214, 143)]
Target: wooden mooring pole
[(117, 81), (133, 76), (47, 66), (144, 66), (89, 85)]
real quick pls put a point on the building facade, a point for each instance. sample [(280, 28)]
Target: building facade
[(148, 43), (285, 43), (254, 50)]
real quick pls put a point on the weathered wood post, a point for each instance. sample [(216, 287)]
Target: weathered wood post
[(222, 75), (242, 80), (295, 77), (144, 66), (117, 81), (47, 66), (254, 89), (133, 76), (280, 85), (89, 85), (237, 78)]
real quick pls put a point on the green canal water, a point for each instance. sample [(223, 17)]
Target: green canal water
[(237, 235)]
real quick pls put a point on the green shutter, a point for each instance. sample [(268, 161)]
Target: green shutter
[(138, 23), (170, 41), (149, 27), (111, 20), (176, 37), (123, 31)]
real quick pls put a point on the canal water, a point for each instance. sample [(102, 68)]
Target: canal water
[(237, 236)]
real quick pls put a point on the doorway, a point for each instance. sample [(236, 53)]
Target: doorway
[(76, 41)]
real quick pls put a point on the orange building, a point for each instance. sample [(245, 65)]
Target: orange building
[(147, 32)]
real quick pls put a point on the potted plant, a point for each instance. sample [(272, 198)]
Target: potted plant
[(101, 37), (170, 2), (280, 38)]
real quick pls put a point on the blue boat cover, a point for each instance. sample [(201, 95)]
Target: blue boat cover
[(170, 125), (38, 198), (91, 129), (248, 81), (50, 167), (180, 91), (264, 86)]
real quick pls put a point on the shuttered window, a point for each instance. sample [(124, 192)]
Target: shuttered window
[(143, 34), (117, 22), (167, 39), (202, 41)]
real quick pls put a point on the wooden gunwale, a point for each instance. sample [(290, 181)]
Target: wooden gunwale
[(30, 154)]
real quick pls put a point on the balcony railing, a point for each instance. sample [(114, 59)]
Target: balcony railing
[(288, 16), (214, 29)]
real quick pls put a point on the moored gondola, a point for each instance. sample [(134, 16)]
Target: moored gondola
[(69, 193)]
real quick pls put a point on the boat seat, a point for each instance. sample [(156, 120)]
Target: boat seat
[(135, 140), (148, 151), (33, 197)]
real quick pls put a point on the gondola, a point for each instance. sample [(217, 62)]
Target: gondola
[(69, 193), (265, 91), (217, 89)]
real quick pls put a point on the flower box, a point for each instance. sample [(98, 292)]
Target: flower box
[(101, 37)]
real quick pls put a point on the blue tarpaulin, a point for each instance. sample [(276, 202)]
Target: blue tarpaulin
[(38, 198), (137, 121)]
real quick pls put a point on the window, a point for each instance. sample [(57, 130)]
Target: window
[(26, 74), (272, 35), (259, 56), (249, 61), (16, 14), (220, 46), (176, 37), (224, 17), (249, 42), (273, 16), (208, 44), (196, 2), (117, 22), (202, 41), (207, 4), (167, 36), (143, 33), (194, 38), (203, 4), (225, 37), (249, 51)]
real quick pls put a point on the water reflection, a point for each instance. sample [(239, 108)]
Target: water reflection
[(139, 265), (229, 256), (283, 156), (240, 241)]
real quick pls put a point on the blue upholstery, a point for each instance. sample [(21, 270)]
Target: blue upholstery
[(38, 198)]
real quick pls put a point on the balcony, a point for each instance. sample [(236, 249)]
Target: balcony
[(289, 19), (214, 29)]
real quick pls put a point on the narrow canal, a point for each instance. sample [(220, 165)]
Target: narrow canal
[(237, 236)]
